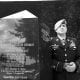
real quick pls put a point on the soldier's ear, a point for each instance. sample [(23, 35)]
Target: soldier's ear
[(56, 31)]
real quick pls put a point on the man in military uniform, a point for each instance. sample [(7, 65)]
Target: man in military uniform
[(65, 53)]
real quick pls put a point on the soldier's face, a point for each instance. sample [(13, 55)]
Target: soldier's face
[(62, 29)]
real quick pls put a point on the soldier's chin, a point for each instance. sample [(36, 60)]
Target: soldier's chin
[(62, 33)]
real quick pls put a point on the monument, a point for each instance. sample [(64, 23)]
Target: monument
[(19, 46)]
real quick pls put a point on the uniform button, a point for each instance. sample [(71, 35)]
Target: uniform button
[(57, 39), (54, 67), (74, 47), (63, 43), (65, 55), (51, 38), (65, 49), (65, 60), (68, 39)]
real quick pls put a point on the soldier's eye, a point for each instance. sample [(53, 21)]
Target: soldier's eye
[(63, 25)]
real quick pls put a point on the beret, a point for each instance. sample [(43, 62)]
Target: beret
[(58, 23)]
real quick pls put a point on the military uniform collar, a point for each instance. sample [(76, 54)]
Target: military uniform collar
[(60, 38)]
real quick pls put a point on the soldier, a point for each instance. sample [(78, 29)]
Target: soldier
[(65, 53)]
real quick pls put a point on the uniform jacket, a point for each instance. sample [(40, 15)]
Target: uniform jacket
[(61, 53)]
